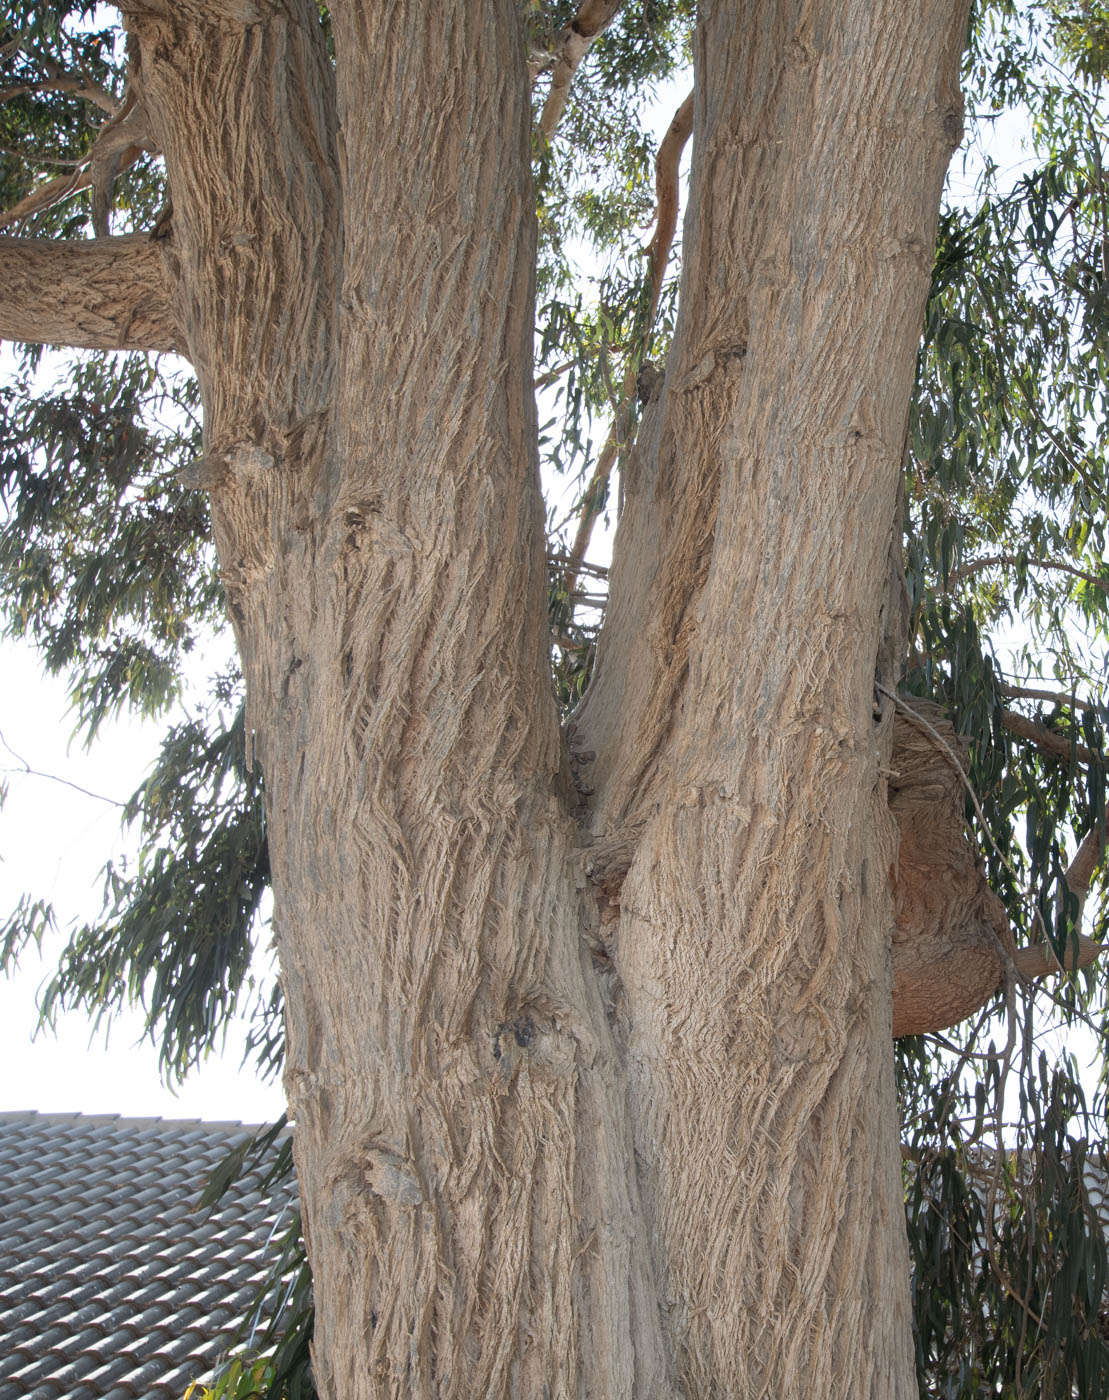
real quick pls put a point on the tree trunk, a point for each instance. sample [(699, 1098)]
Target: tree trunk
[(461, 1130), (536, 1160), (739, 771)]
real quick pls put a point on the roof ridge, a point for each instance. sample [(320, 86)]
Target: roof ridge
[(124, 1121)]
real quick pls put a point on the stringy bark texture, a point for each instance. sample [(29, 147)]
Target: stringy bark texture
[(541, 1153)]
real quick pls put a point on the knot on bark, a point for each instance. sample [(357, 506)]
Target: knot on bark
[(649, 382), (535, 1038), (366, 1178)]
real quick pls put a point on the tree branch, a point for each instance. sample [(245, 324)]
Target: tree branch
[(119, 143), (591, 498), (36, 158), (1049, 697), (1086, 860), (1054, 744), (667, 164), (976, 566), (58, 79), (62, 186), (1039, 959), (565, 53), (103, 294), (126, 132), (80, 87)]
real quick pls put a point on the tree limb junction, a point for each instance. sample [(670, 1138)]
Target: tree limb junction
[(568, 48)]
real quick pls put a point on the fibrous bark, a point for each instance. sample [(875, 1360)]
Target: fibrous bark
[(105, 294), (519, 1178), (473, 1220), (737, 759), (462, 1140), (951, 944)]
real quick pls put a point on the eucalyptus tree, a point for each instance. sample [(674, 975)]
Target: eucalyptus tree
[(594, 948)]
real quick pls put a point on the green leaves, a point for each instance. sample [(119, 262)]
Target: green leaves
[(177, 933), (26, 923), (62, 74), (1009, 1251), (1006, 470), (105, 561), (1005, 562), (596, 200)]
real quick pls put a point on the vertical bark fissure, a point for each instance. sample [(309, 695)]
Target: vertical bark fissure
[(462, 1139), (630, 709), (245, 114), (244, 111), (356, 285)]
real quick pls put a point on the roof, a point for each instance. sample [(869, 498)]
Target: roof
[(111, 1286)]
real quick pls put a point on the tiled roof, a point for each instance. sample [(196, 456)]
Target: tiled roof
[(111, 1286)]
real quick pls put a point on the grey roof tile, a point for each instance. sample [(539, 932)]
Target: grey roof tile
[(38, 1366), (46, 1390), (99, 1371), (112, 1287)]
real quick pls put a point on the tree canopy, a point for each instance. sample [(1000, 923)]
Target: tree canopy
[(107, 566)]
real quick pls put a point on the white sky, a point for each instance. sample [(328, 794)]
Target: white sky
[(54, 842)]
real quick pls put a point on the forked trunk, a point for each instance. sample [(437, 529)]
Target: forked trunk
[(516, 1180)]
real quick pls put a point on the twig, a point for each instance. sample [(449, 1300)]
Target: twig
[(546, 379), (34, 158), (558, 558), (25, 767)]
